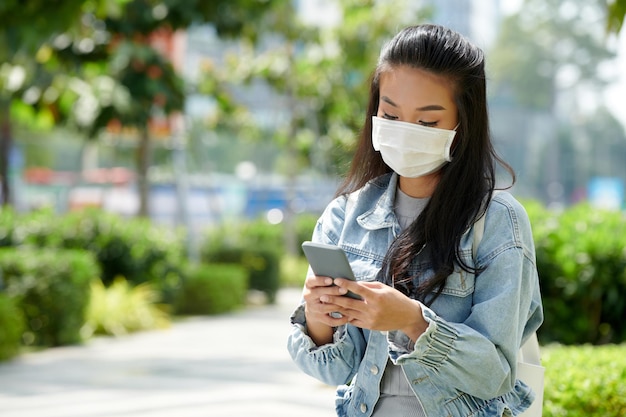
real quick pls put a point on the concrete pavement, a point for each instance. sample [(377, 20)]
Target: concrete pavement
[(234, 365)]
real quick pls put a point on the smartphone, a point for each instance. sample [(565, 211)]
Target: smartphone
[(329, 261)]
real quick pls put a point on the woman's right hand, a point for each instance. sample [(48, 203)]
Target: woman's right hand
[(319, 322)]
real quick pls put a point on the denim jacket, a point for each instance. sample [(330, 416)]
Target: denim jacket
[(464, 364)]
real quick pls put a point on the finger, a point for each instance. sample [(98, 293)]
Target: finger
[(323, 311), (313, 281), (340, 301), (352, 286)]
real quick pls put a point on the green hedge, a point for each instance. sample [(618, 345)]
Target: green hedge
[(581, 259), (257, 245), (11, 327), (52, 290), (212, 289), (293, 271), (259, 233), (262, 266), (134, 248), (582, 381)]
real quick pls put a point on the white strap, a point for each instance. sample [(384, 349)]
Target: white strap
[(529, 367), (351, 199), (530, 371), (529, 352), (479, 230)]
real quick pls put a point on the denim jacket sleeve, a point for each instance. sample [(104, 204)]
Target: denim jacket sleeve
[(335, 363), (478, 356)]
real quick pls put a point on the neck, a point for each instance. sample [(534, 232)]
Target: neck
[(421, 187)]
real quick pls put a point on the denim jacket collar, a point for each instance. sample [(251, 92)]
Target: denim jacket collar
[(382, 215)]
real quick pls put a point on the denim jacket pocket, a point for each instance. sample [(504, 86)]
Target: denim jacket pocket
[(459, 284)]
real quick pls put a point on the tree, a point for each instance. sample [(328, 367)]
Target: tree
[(547, 56), (548, 47), (26, 75), (318, 73), (120, 79)]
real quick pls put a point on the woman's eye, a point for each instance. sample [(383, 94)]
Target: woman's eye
[(390, 117), (427, 124)]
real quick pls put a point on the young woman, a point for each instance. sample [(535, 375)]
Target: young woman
[(438, 329)]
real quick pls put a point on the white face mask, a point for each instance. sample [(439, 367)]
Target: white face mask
[(411, 150)]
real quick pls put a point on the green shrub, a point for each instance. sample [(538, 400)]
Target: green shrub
[(133, 248), (8, 220), (11, 328), (260, 247), (244, 234), (582, 270), (264, 268), (51, 288), (213, 289), (122, 308), (293, 271), (259, 233), (583, 381), (262, 265), (305, 223)]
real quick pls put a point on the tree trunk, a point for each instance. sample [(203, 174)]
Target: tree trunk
[(143, 164), (5, 149)]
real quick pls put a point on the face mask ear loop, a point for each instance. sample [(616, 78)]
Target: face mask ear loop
[(452, 147), (449, 149)]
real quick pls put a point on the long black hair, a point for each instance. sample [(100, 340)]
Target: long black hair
[(465, 183)]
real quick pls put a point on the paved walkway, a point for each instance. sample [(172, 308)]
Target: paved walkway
[(234, 365)]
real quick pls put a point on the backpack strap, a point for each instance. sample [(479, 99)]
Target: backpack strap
[(351, 199), (479, 226), (479, 230), (529, 367)]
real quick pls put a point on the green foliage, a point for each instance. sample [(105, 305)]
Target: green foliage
[(68, 50), (94, 63), (8, 219), (51, 287), (322, 71), (123, 308), (293, 271), (262, 265), (133, 248), (231, 17), (304, 228), (582, 270), (615, 18), (151, 81), (537, 44), (28, 24), (583, 381), (260, 247), (259, 233), (213, 289), (12, 327)]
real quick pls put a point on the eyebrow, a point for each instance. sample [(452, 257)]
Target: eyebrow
[(430, 107)]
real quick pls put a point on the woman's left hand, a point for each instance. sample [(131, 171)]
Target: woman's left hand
[(382, 308)]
